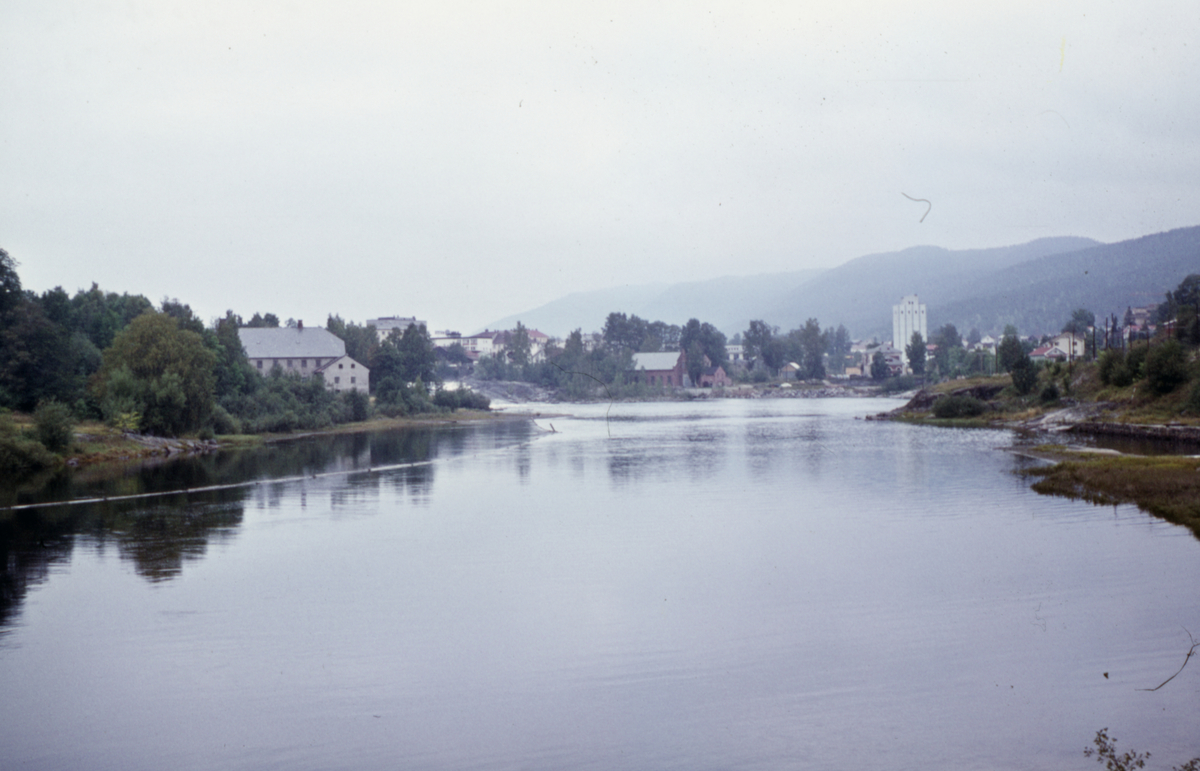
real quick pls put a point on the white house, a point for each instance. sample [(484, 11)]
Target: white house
[(305, 351), (1071, 344), (346, 374)]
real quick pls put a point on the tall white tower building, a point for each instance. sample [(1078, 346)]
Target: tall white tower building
[(908, 317)]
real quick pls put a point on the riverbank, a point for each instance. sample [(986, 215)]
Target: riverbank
[(1167, 486), (1078, 404), (97, 444)]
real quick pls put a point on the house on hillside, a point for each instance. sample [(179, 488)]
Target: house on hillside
[(1072, 344), (305, 351), (1045, 353)]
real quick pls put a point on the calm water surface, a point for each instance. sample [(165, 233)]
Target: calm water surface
[(719, 585)]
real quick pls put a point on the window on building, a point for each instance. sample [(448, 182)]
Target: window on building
[(353, 379), (337, 380), (259, 362), (351, 365), (289, 363), (340, 366), (304, 364)]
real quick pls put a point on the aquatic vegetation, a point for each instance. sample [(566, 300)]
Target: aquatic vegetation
[(1165, 486)]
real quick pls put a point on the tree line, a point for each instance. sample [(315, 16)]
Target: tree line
[(161, 370)]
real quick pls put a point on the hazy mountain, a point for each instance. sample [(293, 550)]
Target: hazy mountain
[(723, 302), (861, 293), (1034, 286), (1038, 296)]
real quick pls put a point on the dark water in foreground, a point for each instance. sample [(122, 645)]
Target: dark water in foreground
[(719, 585)]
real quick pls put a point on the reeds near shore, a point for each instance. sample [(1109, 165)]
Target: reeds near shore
[(1165, 486)]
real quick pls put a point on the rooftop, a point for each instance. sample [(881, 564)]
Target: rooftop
[(290, 342), (655, 361)]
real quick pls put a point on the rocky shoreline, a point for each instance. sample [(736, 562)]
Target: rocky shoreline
[(1082, 418)]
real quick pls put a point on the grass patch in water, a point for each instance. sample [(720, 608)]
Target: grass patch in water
[(1167, 486)]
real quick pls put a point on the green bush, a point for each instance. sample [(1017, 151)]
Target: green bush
[(958, 406), (359, 405), (54, 426), (1024, 375), (1049, 393), (1166, 367), (1107, 365), (899, 383), (463, 398), (1135, 361), (224, 423), (19, 453), (1192, 405)]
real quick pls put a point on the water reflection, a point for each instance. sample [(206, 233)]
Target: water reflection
[(305, 457), (157, 539), (161, 533)]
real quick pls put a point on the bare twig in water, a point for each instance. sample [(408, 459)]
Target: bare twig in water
[(1191, 650), (920, 200), (607, 427)]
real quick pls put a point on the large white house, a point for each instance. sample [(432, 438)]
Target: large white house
[(307, 351)]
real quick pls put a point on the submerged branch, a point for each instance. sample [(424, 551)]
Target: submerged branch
[(1185, 661)]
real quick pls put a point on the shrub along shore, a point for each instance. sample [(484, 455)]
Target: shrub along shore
[(93, 443)]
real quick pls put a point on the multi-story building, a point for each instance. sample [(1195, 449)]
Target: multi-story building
[(307, 352), (908, 317)]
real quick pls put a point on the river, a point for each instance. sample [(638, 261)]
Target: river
[(724, 584)]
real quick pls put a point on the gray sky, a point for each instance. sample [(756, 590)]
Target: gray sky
[(464, 161)]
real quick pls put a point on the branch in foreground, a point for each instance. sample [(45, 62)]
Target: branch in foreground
[(1185, 661)]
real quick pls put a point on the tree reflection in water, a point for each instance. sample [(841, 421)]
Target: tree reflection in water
[(161, 533), (157, 538)]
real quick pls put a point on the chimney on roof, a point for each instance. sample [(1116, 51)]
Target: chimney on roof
[(300, 325)]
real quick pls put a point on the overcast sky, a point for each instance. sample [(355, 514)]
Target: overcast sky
[(463, 161)]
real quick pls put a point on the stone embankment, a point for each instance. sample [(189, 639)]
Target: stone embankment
[(1088, 418), (1089, 421), (165, 446)]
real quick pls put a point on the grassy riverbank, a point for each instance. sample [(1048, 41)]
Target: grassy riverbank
[(96, 443), (1167, 486)]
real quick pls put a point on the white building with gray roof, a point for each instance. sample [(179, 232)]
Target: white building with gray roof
[(306, 351)]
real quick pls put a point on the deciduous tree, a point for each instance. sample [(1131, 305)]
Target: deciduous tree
[(163, 372), (916, 354)]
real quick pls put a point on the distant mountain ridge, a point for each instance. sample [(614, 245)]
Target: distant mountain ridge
[(1034, 285), (719, 301), (861, 292)]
